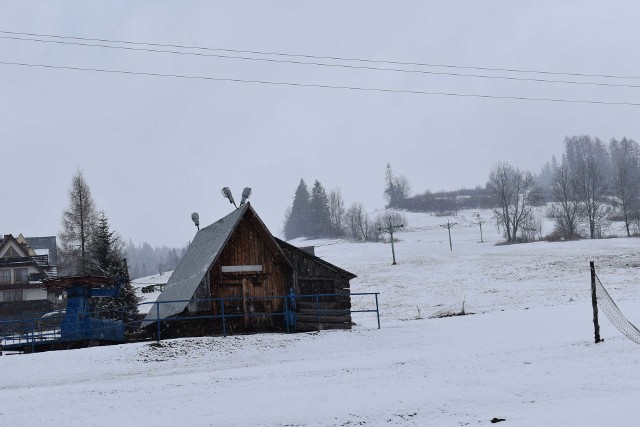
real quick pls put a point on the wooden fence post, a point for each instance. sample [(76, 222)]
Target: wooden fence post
[(594, 303)]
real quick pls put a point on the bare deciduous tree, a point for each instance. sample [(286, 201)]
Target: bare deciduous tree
[(515, 195), (359, 224), (625, 177), (78, 224), (589, 162), (385, 220), (566, 209)]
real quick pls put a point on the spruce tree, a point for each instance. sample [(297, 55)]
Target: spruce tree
[(319, 214), (396, 188), (106, 258), (336, 212), (390, 192), (297, 222)]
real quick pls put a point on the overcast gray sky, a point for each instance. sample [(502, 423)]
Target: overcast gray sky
[(155, 149)]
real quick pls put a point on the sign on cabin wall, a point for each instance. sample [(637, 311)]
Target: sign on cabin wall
[(241, 268)]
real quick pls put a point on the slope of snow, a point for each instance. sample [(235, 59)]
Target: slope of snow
[(526, 355)]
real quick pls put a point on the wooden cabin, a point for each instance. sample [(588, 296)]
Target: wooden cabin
[(237, 268), (313, 280)]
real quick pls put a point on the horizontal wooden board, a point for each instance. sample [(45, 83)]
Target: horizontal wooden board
[(323, 305), (308, 327), (324, 312), (308, 318), (241, 268)]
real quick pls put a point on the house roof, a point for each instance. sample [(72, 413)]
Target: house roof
[(23, 260), (25, 244), (339, 271), (202, 253), (8, 240)]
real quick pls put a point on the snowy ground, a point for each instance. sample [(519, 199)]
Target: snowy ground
[(526, 355)]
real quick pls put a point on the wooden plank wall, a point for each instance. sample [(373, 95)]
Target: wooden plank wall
[(249, 245)]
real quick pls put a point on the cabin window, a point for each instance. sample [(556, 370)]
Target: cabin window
[(12, 296), (21, 275), (5, 277)]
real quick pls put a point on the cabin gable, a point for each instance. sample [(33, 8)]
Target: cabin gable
[(237, 277), (249, 272)]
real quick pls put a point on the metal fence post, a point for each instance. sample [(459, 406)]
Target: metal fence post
[(286, 313), (33, 337), (224, 323), (377, 310), (158, 319), (594, 303), (318, 310), (213, 316)]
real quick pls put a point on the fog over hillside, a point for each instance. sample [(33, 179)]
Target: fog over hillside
[(327, 91)]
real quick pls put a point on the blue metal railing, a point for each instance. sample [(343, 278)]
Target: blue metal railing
[(56, 327), (286, 301), (47, 329), (30, 332)]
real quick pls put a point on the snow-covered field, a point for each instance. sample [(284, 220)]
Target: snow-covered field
[(526, 355)]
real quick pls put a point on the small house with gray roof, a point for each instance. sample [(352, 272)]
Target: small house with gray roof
[(237, 269)]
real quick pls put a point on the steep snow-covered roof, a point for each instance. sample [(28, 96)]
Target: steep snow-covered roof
[(304, 252), (192, 269)]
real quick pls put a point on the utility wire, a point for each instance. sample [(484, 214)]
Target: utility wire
[(336, 58), (322, 64), (322, 86)]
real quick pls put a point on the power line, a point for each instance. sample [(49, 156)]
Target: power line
[(322, 64), (336, 58), (323, 86)]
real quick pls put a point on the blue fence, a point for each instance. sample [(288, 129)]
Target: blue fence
[(288, 313), (48, 328), (31, 332)]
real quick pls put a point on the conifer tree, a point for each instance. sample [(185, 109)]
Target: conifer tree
[(319, 215), (297, 222), (336, 212), (389, 187), (106, 258), (396, 188)]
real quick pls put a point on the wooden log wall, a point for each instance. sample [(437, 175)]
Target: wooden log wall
[(250, 245), (312, 277)]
